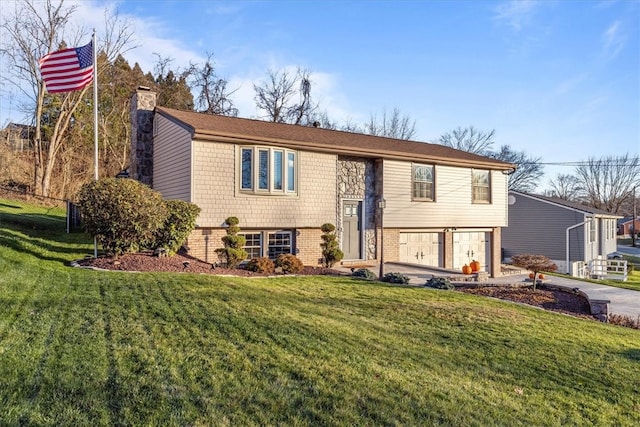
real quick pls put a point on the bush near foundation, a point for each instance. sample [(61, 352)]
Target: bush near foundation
[(122, 214)]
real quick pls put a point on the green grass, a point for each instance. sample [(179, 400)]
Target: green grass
[(79, 347)]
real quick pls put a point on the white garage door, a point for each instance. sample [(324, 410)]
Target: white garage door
[(469, 246), (421, 248)]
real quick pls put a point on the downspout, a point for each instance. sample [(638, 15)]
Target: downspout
[(589, 219)]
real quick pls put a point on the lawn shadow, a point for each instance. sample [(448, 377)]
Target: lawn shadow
[(632, 354), (22, 245), (4, 205)]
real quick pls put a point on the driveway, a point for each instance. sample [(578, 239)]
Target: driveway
[(629, 250)]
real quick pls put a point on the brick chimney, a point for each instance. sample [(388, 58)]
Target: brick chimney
[(143, 104)]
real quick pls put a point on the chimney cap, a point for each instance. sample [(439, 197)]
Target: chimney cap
[(144, 88)]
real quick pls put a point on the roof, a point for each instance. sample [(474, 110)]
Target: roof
[(210, 127), (567, 204)]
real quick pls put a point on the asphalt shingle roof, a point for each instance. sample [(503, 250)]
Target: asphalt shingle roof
[(245, 131)]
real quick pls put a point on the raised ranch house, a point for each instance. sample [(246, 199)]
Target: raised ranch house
[(442, 207), (570, 234)]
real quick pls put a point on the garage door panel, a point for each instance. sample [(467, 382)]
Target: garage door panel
[(421, 248)]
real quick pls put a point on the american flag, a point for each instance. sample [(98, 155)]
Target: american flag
[(67, 69)]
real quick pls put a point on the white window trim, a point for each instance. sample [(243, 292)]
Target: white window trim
[(255, 171), (473, 199), (433, 183)]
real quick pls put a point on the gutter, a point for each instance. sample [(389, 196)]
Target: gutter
[(589, 219)]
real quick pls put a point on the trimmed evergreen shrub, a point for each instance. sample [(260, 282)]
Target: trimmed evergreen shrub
[(233, 253), (395, 278), (289, 263), (439, 283), (180, 222), (331, 252), (365, 273), (122, 214), (261, 265)]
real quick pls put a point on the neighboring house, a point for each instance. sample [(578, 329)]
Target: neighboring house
[(626, 226), (540, 225), (444, 207), (17, 136)]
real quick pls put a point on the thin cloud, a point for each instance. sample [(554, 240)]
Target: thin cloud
[(613, 40), (515, 13)]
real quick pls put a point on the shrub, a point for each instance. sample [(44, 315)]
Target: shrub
[(331, 252), (122, 214), (626, 321), (261, 265), (289, 263), (395, 278), (439, 283), (365, 273), (180, 222), (233, 253)]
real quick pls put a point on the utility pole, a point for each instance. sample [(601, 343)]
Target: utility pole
[(635, 215)]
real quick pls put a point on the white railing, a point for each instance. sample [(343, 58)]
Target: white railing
[(609, 269)]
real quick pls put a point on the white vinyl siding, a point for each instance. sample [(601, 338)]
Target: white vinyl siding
[(452, 207), (172, 160)]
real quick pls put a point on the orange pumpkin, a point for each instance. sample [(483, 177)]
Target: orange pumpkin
[(466, 269), (540, 276), (475, 266), (531, 275)]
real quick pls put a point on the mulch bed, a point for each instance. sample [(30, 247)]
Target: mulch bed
[(548, 299), (552, 299), (180, 262)]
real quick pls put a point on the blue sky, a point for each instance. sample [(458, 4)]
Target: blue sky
[(557, 79)]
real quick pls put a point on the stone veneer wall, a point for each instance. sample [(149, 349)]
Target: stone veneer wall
[(143, 104), (357, 181)]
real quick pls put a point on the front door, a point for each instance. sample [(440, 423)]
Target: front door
[(351, 238)]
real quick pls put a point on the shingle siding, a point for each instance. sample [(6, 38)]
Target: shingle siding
[(215, 190)]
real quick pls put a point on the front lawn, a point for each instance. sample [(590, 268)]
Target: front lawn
[(80, 347)]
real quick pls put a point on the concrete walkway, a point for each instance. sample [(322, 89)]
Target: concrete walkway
[(622, 301)]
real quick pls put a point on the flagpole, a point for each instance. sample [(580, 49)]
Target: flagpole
[(95, 122)]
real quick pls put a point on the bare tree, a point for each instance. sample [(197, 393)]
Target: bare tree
[(608, 182), (394, 125), (528, 172), (535, 263), (469, 139), (33, 30), (213, 97), (275, 96), (565, 187)]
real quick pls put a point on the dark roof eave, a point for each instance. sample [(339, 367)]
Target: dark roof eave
[(326, 148)]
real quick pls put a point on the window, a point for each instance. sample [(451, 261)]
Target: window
[(279, 243), (265, 171), (253, 246), (481, 184), (591, 230), (423, 182)]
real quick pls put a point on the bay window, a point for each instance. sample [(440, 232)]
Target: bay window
[(268, 170)]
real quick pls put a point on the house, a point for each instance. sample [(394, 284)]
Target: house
[(565, 232), (626, 226), (17, 136), (431, 204)]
